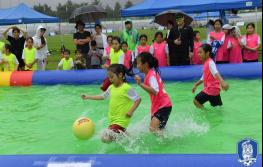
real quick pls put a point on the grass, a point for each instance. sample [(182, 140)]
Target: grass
[(54, 43)]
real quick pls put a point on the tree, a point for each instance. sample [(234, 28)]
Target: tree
[(117, 10), (96, 2), (109, 12), (44, 9), (128, 4)]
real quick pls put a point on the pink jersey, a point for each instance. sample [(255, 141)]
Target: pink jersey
[(211, 84), (196, 59), (160, 100), (225, 46), (160, 53), (235, 52), (141, 49), (220, 52), (108, 49), (252, 42), (128, 59)]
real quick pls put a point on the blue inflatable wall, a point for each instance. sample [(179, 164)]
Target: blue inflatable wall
[(181, 73)]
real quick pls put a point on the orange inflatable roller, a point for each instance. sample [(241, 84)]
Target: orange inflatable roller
[(21, 78)]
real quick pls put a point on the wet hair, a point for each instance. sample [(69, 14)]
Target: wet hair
[(77, 51), (8, 47), (124, 43), (79, 22), (118, 39), (110, 36), (195, 33), (67, 51), (158, 33), (98, 25), (150, 60), (211, 22), (143, 36), (121, 69), (93, 43), (207, 48), (220, 21), (16, 29), (250, 24), (30, 38)]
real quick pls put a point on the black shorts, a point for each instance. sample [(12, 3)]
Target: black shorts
[(202, 98), (250, 61), (222, 62), (163, 115)]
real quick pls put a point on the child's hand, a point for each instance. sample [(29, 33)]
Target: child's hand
[(138, 79), (225, 86), (194, 89), (84, 97), (129, 115)]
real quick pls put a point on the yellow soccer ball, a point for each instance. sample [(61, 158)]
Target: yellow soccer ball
[(83, 128)]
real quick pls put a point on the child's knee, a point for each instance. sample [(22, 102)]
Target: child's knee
[(197, 104), (106, 139), (153, 129)]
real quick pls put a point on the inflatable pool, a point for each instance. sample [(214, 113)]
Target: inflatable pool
[(183, 73)]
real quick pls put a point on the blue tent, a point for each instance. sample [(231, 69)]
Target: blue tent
[(153, 7), (205, 15), (22, 14)]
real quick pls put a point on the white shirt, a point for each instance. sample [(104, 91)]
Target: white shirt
[(244, 40), (212, 68), (154, 84), (132, 94)]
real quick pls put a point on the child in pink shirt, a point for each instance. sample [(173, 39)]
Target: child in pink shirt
[(143, 47), (197, 44), (251, 43), (235, 46), (159, 49), (106, 54), (212, 80), (161, 105), (127, 55)]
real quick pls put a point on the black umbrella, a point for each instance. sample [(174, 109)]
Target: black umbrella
[(163, 18), (87, 14)]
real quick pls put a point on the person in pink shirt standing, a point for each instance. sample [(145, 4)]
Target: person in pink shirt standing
[(127, 55), (143, 47), (251, 43), (106, 54), (160, 50), (227, 30), (161, 105), (197, 44), (218, 36), (212, 80), (235, 46)]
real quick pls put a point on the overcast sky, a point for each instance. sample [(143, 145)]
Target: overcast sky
[(53, 3)]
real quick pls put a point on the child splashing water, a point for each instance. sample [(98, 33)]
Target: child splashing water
[(161, 105), (123, 101), (211, 78)]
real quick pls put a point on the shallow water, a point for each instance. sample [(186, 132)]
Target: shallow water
[(38, 120)]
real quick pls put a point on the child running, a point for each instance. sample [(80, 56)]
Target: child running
[(251, 43), (211, 78), (159, 49), (67, 62), (9, 60), (161, 105), (127, 55), (30, 55), (197, 43), (123, 101)]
